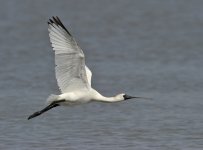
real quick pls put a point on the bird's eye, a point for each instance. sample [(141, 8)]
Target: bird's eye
[(124, 96)]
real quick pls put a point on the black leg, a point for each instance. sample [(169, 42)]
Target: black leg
[(52, 105)]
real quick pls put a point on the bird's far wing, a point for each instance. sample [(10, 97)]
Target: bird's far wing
[(71, 72), (89, 75)]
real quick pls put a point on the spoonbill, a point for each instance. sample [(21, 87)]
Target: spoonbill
[(73, 76)]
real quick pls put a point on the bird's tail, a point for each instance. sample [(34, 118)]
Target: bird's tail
[(52, 98)]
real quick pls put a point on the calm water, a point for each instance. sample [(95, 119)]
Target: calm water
[(144, 48)]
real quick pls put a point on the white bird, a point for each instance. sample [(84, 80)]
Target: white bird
[(73, 76)]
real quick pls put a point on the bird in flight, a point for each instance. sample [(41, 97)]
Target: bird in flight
[(73, 76)]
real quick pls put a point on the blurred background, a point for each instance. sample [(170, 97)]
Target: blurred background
[(151, 48)]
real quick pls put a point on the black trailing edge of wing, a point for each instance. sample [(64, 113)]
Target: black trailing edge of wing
[(57, 21)]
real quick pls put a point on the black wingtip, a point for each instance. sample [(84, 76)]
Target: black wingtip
[(57, 21), (51, 21)]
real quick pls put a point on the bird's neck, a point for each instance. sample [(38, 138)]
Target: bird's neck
[(102, 98)]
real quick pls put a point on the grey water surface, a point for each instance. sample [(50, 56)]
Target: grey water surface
[(151, 48)]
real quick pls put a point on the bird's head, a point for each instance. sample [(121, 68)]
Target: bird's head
[(124, 96)]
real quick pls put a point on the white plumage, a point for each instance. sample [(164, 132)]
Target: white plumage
[(73, 76)]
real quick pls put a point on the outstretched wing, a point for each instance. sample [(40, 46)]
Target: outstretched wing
[(71, 72)]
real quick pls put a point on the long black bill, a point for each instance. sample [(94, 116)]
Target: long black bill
[(130, 97), (52, 105)]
